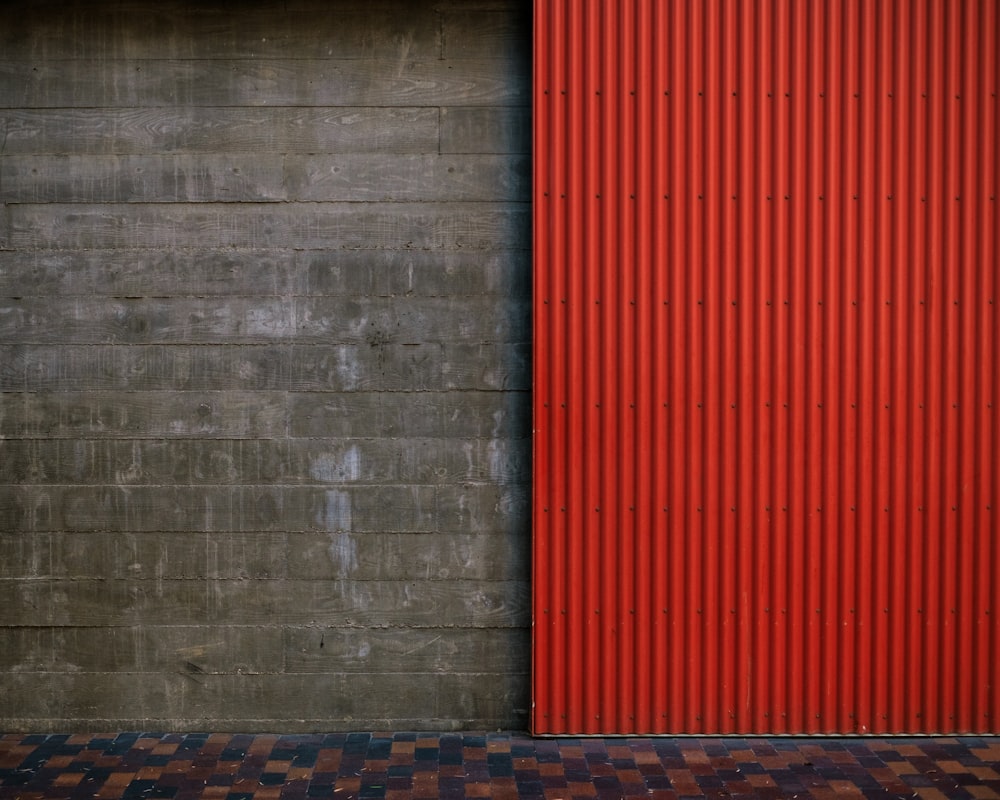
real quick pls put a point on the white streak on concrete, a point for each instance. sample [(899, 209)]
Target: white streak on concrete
[(336, 512), (337, 467), (495, 458)]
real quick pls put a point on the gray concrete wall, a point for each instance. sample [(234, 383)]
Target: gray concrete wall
[(264, 365)]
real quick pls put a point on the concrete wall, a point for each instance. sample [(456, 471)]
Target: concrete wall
[(264, 365)]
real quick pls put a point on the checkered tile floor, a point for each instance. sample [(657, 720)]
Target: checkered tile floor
[(408, 765)]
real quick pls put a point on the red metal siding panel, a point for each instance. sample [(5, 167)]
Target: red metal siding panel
[(766, 384)]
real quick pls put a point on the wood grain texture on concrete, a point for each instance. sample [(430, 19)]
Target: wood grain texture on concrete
[(191, 130), (265, 365)]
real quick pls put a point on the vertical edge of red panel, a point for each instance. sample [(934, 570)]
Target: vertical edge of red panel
[(541, 646)]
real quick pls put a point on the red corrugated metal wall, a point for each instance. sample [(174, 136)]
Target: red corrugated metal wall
[(766, 384)]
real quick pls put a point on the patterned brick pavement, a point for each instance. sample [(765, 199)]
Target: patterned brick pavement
[(501, 765)]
